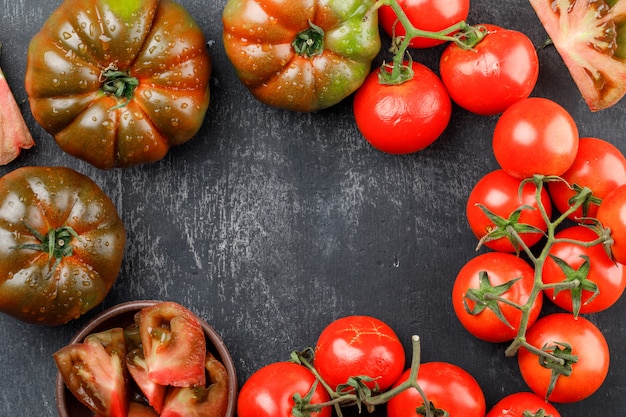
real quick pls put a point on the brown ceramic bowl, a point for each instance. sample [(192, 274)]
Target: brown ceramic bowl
[(122, 315)]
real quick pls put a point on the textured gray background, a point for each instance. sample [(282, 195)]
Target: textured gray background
[(270, 224)]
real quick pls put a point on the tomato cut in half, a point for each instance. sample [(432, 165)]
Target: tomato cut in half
[(587, 36)]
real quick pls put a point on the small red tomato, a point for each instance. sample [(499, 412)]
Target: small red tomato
[(602, 280), (612, 215), (469, 291), (562, 332), (499, 193), (535, 136), (427, 15), (403, 118), (359, 346), (523, 404), (448, 387), (269, 391), (599, 166), (497, 72)]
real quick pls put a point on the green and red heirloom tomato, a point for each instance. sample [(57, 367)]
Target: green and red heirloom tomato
[(354, 346), (402, 118), (523, 404), (589, 37), (599, 166), (579, 343), (480, 282), (535, 136), (427, 15), (301, 55), (118, 82), (447, 387), (611, 216), (61, 244), (500, 70), (269, 392), (601, 281), (499, 193)]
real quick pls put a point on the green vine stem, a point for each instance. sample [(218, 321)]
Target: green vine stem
[(362, 396), (462, 34)]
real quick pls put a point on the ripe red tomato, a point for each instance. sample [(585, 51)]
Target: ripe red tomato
[(519, 403), (535, 136), (499, 71), (404, 118), (447, 386), (269, 391), (610, 214), (499, 268), (499, 192), (359, 346), (587, 344), (599, 269), (599, 166), (427, 15)]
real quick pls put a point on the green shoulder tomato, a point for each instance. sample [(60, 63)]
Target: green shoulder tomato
[(301, 55), (61, 244), (117, 82)]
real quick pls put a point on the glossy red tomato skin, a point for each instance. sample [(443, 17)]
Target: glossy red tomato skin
[(405, 118), (612, 215), (356, 346), (498, 191), (514, 405), (535, 136), (587, 342), (599, 166), (269, 391), (500, 70), (428, 15), (609, 276), (501, 268), (447, 386)]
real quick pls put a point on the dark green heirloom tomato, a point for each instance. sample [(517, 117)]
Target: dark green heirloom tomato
[(61, 244), (301, 55), (118, 82)]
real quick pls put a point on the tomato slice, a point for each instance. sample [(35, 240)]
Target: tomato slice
[(200, 400), (94, 372), (138, 370), (174, 345), (585, 33)]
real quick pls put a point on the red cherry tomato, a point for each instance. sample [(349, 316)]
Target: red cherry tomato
[(608, 276), (359, 346), (611, 215), (269, 391), (499, 192), (587, 344), (599, 166), (535, 136), (499, 268), (447, 386), (404, 118), (499, 71), (427, 15), (519, 403)]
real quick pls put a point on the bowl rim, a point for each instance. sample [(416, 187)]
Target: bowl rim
[(213, 337)]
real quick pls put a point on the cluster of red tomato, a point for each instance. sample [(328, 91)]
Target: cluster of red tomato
[(572, 255)]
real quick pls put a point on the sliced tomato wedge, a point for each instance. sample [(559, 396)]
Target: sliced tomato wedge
[(94, 372), (140, 410), (174, 345), (200, 400), (585, 33), (138, 370)]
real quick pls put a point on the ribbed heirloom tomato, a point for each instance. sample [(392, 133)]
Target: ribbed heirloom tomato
[(301, 55), (118, 82)]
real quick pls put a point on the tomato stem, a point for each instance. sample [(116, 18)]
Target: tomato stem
[(309, 42), (118, 83)]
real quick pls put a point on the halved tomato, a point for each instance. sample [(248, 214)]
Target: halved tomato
[(586, 35)]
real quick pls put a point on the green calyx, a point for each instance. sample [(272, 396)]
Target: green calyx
[(488, 296), (309, 42), (119, 84)]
